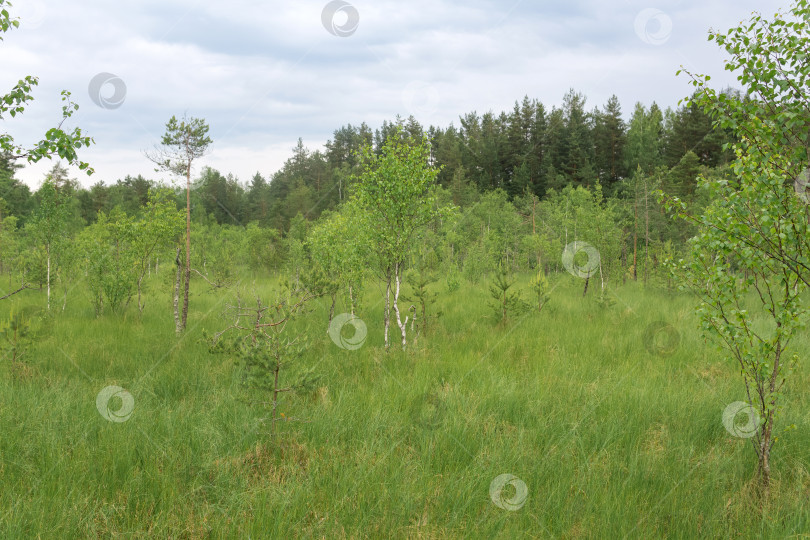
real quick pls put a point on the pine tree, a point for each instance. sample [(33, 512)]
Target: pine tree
[(610, 139)]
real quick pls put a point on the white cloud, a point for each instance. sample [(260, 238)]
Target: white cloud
[(265, 73)]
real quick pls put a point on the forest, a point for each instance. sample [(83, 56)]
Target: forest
[(511, 171), (583, 321)]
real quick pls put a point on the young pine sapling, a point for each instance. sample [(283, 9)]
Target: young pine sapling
[(263, 349), (506, 301), (424, 315), (541, 288)]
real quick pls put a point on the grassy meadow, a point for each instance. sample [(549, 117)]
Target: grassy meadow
[(611, 438)]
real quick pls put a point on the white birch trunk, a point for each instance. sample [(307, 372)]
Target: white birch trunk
[(387, 305), (402, 327)]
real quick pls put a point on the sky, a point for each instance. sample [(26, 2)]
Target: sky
[(263, 73)]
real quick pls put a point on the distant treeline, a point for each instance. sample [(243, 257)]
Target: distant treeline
[(528, 149)]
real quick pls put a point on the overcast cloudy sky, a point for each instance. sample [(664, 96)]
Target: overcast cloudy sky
[(263, 72)]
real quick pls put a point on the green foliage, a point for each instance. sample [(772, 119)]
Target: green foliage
[(506, 302), (219, 253), (339, 253), (264, 247), (453, 280), (51, 215), (19, 332), (541, 288), (396, 199), (754, 236), (6, 21), (296, 256), (605, 301), (478, 260), (158, 227), (48, 226), (487, 235), (644, 139), (264, 347), (682, 178), (10, 240), (424, 298), (540, 251), (581, 215), (183, 142), (110, 262), (396, 196)]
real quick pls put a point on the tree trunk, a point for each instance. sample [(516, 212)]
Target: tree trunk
[(402, 325), (624, 259), (188, 246), (48, 251), (646, 231), (387, 304), (585, 291), (635, 241), (1, 229), (332, 309), (140, 305), (764, 454), (601, 277), (275, 397), (177, 326)]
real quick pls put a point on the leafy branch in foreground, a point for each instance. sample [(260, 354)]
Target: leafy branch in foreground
[(57, 141)]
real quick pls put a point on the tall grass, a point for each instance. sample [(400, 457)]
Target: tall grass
[(611, 439)]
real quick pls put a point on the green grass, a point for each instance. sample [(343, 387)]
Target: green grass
[(611, 440)]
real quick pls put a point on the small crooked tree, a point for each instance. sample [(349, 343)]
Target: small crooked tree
[(185, 141)]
